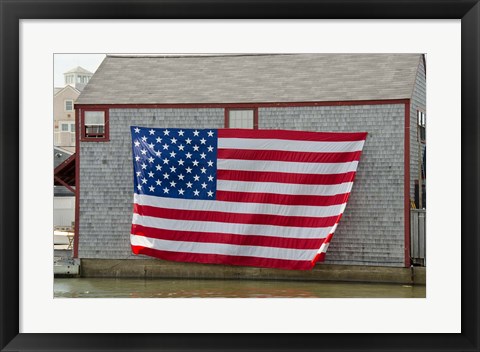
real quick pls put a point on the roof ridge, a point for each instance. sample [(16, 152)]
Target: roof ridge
[(79, 69), (176, 56), (61, 89)]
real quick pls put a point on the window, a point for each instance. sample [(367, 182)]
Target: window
[(241, 118), (66, 126), (421, 124), (417, 195), (68, 105), (94, 125)]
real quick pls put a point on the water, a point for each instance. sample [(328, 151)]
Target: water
[(167, 288)]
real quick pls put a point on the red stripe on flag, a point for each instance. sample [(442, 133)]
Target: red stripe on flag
[(226, 238), (278, 155), (224, 259), (292, 135), (284, 177), (285, 199), (320, 257), (238, 218)]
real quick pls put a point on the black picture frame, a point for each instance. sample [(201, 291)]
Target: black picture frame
[(12, 11)]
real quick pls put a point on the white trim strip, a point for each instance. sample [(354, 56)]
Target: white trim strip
[(231, 228), (289, 145), (284, 188), (284, 166), (239, 208), (223, 249)]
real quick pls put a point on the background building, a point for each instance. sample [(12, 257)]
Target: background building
[(63, 107), (382, 94), (77, 77), (64, 117), (63, 198)]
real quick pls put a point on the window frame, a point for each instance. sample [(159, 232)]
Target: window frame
[(252, 108), (106, 128), (65, 105)]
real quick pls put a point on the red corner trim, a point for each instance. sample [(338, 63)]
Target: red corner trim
[(77, 181), (407, 183)]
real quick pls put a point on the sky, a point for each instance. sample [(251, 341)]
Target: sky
[(65, 62)]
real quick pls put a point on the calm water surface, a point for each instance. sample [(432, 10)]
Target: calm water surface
[(165, 288)]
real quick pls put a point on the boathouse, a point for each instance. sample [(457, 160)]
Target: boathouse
[(382, 94)]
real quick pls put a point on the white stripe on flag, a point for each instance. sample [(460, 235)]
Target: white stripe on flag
[(231, 228), (283, 188), (239, 208), (289, 145), (283, 166), (323, 248), (223, 249)]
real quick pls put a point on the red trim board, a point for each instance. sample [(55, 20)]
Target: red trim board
[(407, 184), (241, 105), (77, 182)]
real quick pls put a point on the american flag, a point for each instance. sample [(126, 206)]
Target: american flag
[(265, 198)]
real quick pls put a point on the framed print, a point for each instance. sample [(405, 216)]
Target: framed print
[(34, 319)]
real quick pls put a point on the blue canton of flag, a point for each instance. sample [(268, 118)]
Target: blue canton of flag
[(175, 163)]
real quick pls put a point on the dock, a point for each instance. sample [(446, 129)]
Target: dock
[(64, 265)]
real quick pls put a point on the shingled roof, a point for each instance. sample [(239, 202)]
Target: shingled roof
[(251, 78)]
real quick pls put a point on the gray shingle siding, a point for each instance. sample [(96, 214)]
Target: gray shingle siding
[(106, 177), (418, 102), (371, 231)]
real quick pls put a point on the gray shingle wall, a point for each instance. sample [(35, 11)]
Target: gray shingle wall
[(418, 102), (106, 177), (371, 231)]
